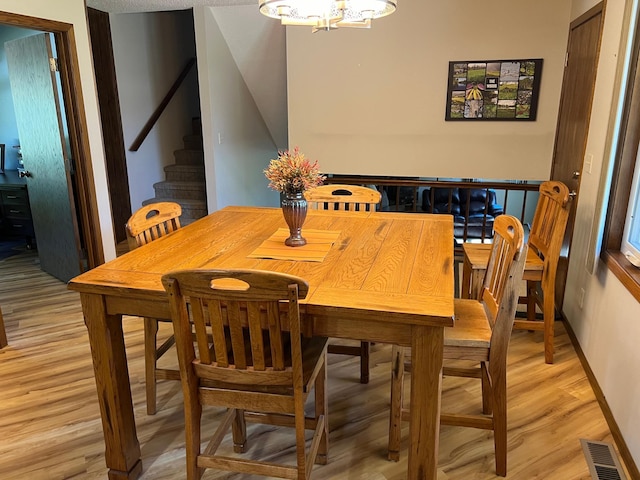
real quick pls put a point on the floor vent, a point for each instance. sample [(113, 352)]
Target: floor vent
[(602, 460)]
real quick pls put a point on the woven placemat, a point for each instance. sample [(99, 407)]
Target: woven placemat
[(318, 245)]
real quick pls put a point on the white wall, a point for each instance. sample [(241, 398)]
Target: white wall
[(373, 101), (150, 51), (608, 324), (73, 12), (257, 44), (237, 142)]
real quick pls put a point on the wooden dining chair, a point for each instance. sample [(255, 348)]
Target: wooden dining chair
[(351, 198), (3, 332), (545, 244), (146, 225), (481, 333), (247, 363)]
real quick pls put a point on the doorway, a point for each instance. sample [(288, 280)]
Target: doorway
[(47, 165), (576, 98), (83, 183)]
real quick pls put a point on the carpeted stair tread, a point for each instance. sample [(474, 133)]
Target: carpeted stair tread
[(184, 173), (189, 157), (187, 190), (191, 209), (192, 142), (185, 202), (185, 180)]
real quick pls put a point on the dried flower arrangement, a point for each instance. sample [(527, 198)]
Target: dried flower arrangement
[(291, 172)]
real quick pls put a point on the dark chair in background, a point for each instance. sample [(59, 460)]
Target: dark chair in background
[(474, 209)]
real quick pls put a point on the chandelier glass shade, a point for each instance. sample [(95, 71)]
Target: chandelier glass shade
[(327, 14)]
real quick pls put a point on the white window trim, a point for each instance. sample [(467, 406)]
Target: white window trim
[(630, 246)]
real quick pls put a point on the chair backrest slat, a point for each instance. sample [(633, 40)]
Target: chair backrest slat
[(493, 290), (275, 340), (255, 331), (296, 338), (243, 324), (237, 335), (217, 334), (343, 197)]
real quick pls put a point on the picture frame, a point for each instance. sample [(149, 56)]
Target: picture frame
[(493, 90)]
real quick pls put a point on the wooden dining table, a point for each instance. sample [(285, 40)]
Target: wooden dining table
[(377, 276)]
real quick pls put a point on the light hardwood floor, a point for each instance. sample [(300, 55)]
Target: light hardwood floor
[(50, 424)]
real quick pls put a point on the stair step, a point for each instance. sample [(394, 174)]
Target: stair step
[(189, 157), (191, 209), (192, 142), (184, 181), (184, 173), (186, 190)]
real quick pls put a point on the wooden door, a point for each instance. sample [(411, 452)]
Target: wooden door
[(42, 133), (573, 120)]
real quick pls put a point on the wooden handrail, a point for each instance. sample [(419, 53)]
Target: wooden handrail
[(412, 202), (163, 104)]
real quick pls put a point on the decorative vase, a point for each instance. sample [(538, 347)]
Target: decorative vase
[(294, 209)]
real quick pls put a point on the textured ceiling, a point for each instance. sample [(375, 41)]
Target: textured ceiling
[(132, 6)]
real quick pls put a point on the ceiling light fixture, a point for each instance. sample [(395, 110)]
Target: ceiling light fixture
[(327, 14)]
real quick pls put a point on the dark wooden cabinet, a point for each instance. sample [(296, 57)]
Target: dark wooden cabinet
[(15, 213)]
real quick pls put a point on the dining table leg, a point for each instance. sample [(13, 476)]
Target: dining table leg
[(122, 452), (426, 382)]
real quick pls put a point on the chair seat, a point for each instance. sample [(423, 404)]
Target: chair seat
[(478, 256), (471, 326)]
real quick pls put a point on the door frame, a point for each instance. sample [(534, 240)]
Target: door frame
[(83, 180), (110, 119), (563, 262)]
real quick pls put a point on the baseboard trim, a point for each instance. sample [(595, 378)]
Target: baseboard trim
[(625, 454)]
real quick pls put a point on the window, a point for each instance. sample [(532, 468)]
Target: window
[(631, 236), (622, 228)]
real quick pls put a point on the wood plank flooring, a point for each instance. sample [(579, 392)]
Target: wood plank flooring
[(50, 424)]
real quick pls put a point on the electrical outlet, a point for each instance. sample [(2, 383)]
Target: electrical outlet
[(219, 138), (588, 163), (581, 298)]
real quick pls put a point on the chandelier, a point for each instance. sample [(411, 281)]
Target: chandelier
[(327, 14)]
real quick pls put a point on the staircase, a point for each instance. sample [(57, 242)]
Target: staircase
[(185, 180)]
